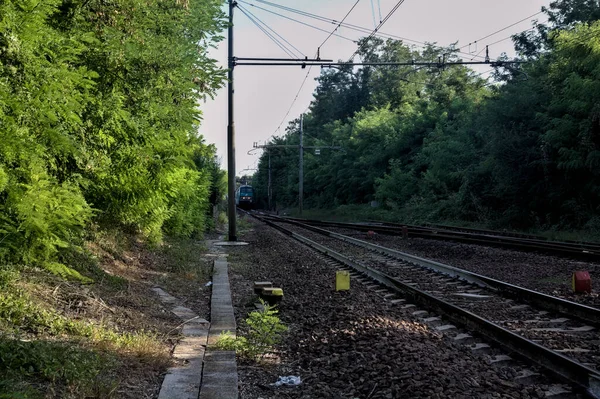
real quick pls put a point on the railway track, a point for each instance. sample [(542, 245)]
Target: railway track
[(522, 242), (555, 334)]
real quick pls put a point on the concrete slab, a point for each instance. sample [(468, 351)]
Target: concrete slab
[(583, 329), (190, 348), (225, 390), (433, 320), (464, 338), (572, 350), (182, 382), (527, 377), (480, 347), (559, 320), (446, 327), (543, 312), (230, 243), (420, 313), (472, 296), (195, 330), (164, 296), (558, 392), (500, 360), (184, 313)]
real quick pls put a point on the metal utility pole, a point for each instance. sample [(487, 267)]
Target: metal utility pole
[(269, 192), (301, 167), (301, 147), (231, 133)]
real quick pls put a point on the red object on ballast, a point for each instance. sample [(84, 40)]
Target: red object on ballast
[(582, 282), (370, 234)]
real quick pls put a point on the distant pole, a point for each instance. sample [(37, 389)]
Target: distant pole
[(231, 133), (301, 168), (269, 194)]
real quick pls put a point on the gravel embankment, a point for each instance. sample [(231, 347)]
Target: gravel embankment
[(352, 344)]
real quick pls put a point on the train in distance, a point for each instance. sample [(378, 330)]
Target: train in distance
[(244, 197)]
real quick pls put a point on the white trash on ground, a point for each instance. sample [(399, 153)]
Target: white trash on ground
[(208, 284), (291, 380)]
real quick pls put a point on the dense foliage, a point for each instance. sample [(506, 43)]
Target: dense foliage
[(98, 120), (444, 144)]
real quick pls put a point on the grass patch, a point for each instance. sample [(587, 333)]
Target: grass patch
[(109, 338), (67, 370), (20, 314), (182, 256)]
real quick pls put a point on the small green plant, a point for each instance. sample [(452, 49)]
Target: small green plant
[(7, 276), (264, 331), (222, 219)]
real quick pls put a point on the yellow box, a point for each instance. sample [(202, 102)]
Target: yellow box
[(342, 280)]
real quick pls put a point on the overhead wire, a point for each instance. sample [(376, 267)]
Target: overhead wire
[(274, 39), (480, 51), (299, 52), (338, 26), (375, 32), (310, 68), (373, 12), (273, 30), (379, 7), (387, 17), (344, 25), (295, 99), (295, 20), (501, 30), (509, 37)]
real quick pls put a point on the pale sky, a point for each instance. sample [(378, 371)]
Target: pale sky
[(263, 94)]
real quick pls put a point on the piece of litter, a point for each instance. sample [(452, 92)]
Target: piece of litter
[(288, 380), (208, 284)]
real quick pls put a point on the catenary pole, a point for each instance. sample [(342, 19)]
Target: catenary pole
[(231, 133), (301, 168), (269, 186)]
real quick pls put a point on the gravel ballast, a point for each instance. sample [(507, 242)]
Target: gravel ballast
[(352, 344)]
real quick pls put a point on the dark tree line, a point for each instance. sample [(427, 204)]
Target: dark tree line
[(444, 144)]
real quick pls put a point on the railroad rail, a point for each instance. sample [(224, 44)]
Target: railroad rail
[(579, 375), (579, 250)]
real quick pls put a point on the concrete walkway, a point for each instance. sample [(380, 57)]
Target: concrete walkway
[(184, 382), (207, 374), (220, 379)]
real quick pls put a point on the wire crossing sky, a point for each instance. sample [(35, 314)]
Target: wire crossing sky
[(268, 97)]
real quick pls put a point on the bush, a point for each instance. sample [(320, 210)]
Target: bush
[(264, 332)]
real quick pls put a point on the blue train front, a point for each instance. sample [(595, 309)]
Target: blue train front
[(244, 197)]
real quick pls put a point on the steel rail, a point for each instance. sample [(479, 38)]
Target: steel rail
[(486, 232), (548, 302), (584, 378), (559, 248), (490, 234)]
